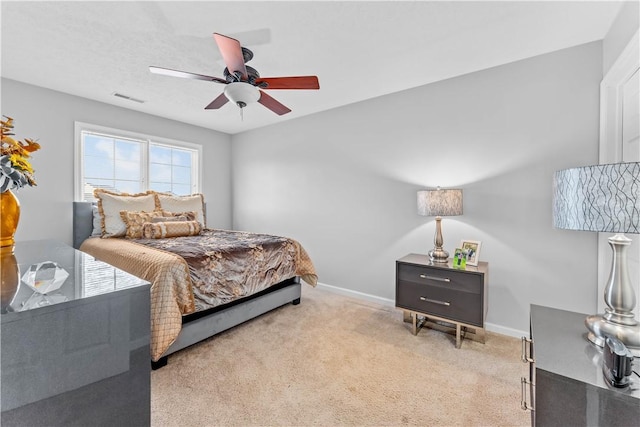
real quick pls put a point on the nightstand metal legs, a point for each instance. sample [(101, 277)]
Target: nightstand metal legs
[(416, 320), (462, 330)]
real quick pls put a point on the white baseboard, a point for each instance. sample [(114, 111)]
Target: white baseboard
[(356, 294), (498, 329), (503, 330)]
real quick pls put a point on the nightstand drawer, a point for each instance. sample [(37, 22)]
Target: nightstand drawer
[(448, 278), (440, 301)]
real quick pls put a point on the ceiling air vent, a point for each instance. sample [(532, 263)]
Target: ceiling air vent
[(119, 95)]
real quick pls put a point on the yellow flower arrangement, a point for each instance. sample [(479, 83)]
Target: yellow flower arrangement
[(15, 168)]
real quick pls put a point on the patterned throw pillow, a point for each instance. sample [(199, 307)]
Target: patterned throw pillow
[(192, 203), (174, 216), (110, 204), (134, 220), (161, 230)]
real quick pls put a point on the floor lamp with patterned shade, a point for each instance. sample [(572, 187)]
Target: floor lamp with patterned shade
[(439, 203), (605, 198)]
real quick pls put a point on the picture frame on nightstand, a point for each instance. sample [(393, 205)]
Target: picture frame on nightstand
[(460, 259), (473, 251)]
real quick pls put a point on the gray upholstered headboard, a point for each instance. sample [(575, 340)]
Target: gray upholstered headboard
[(82, 222)]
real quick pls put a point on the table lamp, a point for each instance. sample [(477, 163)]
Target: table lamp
[(605, 198), (439, 203)]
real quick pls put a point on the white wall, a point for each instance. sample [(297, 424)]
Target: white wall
[(624, 26), (344, 182), (48, 116)]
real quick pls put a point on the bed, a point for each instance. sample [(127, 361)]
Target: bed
[(179, 317)]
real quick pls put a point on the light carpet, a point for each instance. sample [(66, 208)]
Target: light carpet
[(339, 361)]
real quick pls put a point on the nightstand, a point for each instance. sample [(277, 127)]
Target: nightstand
[(441, 297)]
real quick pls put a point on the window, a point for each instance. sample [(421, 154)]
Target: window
[(127, 162)]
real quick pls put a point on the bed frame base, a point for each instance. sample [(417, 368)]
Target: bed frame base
[(204, 327), (160, 363)]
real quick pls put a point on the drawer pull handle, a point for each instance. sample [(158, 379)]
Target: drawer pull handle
[(523, 400), (439, 279), (526, 358), (435, 301)]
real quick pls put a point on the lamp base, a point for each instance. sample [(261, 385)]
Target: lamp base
[(438, 255), (599, 328)]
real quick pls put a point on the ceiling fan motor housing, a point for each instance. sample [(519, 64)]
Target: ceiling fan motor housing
[(252, 75)]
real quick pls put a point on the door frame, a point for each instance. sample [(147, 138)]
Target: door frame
[(610, 151)]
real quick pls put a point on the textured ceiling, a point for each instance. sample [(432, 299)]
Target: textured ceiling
[(359, 50)]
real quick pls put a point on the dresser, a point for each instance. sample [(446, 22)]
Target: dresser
[(78, 355), (566, 385), (441, 297)]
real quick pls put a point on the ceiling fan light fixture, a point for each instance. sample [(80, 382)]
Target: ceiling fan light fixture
[(241, 94)]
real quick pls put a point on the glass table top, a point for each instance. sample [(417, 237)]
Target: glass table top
[(41, 273)]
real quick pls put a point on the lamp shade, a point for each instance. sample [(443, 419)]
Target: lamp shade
[(603, 198), (440, 202)]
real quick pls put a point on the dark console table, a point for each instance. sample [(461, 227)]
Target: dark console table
[(80, 355), (566, 386)]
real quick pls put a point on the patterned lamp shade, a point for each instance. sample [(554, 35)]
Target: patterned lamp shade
[(602, 198), (440, 202)]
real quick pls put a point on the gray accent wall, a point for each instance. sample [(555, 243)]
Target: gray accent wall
[(344, 182), (49, 116)]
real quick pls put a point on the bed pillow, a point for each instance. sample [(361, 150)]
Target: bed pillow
[(97, 221), (192, 203), (110, 204), (134, 220), (174, 216), (160, 230)]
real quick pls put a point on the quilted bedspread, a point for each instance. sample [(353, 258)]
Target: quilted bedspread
[(189, 274)]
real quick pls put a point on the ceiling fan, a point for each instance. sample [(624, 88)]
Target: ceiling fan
[(243, 83)]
